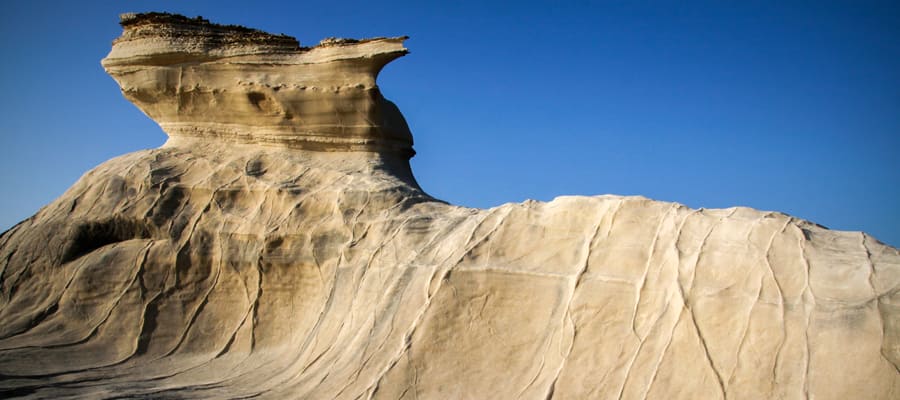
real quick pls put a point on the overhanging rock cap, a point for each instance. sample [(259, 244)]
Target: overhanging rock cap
[(199, 79)]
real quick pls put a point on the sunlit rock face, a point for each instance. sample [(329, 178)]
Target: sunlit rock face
[(201, 80), (278, 246)]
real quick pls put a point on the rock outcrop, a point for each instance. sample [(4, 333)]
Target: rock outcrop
[(228, 83), (278, 246)]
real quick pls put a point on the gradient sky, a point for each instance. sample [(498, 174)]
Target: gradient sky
[(787, 106)]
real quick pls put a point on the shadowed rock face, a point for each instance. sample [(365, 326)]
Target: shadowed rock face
[(256, 255)]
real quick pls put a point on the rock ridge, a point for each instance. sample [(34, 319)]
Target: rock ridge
[(240, 260)]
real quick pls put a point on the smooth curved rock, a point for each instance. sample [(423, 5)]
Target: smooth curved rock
[(226, 266)]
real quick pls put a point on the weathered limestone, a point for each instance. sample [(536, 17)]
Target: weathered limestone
[(250, 257), (198, 79)]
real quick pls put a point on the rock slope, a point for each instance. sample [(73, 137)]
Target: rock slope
[(278, 246)]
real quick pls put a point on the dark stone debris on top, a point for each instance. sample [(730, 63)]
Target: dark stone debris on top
[(169, 24)]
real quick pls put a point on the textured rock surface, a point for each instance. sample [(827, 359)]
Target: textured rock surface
[(250, 257), (198, 79)]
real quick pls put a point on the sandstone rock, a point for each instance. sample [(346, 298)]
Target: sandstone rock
[(201, 80), (278, 246)]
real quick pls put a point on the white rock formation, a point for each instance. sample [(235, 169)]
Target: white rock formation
[(277, 246)]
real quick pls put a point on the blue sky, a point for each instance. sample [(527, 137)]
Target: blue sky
[(787, 106)]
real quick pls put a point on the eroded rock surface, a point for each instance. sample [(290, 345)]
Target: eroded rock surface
[(277, 246), (229, 83)]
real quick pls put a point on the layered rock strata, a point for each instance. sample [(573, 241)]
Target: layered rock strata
[(252, 257), (202, 80)]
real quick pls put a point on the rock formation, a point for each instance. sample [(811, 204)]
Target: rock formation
[(226, 83), (277, 246)]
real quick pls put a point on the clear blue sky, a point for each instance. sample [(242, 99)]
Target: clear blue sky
[(787, 106)]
